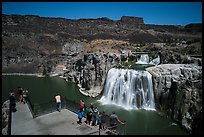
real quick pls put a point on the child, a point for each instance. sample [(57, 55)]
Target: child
[(80, 115)]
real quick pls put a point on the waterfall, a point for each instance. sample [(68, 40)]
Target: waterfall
[(144, 59), (155, 61), (128, 88)]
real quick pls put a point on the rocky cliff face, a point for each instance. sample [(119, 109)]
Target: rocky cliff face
[(90, 71), (5, 117), (178, 92), (31, 44)]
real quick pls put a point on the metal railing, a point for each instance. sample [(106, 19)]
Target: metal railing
[(49, 107), (9, 119), (119, 129)]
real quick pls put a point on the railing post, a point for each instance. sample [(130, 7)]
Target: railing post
[(99, 127), (125, 129), (65, 103), (31, 107), (9, 119), (51, 106)]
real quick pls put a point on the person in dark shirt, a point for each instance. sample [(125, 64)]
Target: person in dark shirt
[(114, 120), (20, 94), (12, 101), (103, 117), (89, 113)]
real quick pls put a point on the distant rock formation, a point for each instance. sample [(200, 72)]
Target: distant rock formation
[(131, 19), (194, 27)]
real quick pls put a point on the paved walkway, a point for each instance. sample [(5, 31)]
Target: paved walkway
[(56, 123)]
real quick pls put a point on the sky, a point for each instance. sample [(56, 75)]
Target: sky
[(160, 13)]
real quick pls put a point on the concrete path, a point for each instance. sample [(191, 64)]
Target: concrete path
[(56, 123)]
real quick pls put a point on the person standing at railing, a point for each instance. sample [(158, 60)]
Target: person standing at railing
[(89, 113), (20, 94), (80, 116), (103, 118), (58, 102), (82, 105), (95, 116), (25, 95), (114, 120), (12, 101)]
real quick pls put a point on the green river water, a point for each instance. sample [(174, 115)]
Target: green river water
[(43, 89)]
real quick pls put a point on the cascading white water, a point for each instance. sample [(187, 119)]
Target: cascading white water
[(155, 61), (128, 88), (144, 59)]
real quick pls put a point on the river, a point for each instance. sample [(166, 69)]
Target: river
[(43, 89)]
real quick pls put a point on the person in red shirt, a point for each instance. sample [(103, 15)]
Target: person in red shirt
[(81, 105)]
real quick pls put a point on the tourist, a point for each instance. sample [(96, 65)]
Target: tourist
[(80, 116), (82, 105), (89, 113), (99, 119), (96, 117), (25, 96), (92, 107), (114, 120), (103, 117), (20, 94), (12, 101), (58, 102)]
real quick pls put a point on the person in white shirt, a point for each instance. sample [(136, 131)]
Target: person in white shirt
[(58, 102)]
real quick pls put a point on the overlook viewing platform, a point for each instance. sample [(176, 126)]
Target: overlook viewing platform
[(55, 123)]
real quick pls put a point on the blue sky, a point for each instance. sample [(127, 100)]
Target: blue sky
[(162, 13)]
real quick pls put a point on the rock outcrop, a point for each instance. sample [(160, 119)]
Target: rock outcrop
[(90, 71), (178, 92), (5, 117)]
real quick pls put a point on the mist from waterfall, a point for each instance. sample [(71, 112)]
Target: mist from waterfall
[(130, 89)]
